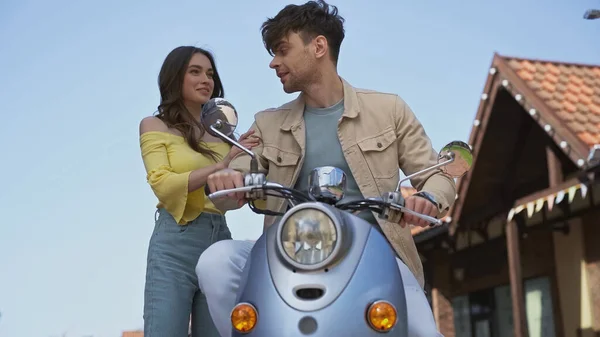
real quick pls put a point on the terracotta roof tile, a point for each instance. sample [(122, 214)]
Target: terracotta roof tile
[(570, 107), (546, 94), (587, 83), (560, 89), (564, 115), (516, 65), (571, 90), (528, 76), (582, 118), (551, 78), (587, 91), (548, 87), (572, 96), (539, 68), (576, 126), (586, 105), (538, 76), (553, 69), (591, 127), (594, 119), (535, 85), (555, 103), (588, 137)]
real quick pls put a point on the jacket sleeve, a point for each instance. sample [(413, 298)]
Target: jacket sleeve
[(416, 153), (170, 188)]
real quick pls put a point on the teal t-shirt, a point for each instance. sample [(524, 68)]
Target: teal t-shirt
[(323, 149)]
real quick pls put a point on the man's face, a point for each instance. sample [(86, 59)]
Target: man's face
[(294, 63)]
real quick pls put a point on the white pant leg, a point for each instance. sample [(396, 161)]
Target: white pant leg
[(420, 317), (219, 272)]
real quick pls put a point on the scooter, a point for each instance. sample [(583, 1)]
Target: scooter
[(321, 270)]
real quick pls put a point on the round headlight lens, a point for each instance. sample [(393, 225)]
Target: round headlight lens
[(309, 236)]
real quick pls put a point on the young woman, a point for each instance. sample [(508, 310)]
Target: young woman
[(178, 156)]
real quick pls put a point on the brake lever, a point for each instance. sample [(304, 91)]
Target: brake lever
[(417, 214)]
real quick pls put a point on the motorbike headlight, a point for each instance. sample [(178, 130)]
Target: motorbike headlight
[(309, 237)]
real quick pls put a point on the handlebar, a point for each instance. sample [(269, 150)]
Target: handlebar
[(294, 197), (222, 193)]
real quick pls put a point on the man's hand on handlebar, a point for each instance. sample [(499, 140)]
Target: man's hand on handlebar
[(227, 179), (420, 205)]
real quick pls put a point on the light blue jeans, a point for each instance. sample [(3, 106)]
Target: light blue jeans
[(172, 292)]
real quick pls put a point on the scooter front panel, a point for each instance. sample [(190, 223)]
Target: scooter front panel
[(331, 280), (376, 277)]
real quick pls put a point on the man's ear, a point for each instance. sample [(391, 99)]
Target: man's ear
[(321, 46)]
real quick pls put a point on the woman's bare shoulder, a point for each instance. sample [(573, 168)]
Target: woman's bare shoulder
[(153, 123)]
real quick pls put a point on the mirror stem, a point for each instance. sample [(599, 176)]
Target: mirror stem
[(232, 141), (254, 165), (450, 158), (253, 161)]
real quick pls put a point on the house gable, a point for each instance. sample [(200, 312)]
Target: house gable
[(562, 99)]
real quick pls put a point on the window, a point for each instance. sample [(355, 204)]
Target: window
[(488, 313)]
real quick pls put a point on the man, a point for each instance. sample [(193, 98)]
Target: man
[(370, 135)]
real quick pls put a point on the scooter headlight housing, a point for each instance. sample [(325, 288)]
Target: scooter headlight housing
[(309, 236)]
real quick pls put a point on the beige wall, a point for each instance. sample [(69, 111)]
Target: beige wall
[(571, 277)]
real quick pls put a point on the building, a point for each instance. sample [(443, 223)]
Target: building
[(520, 256), (138, 333)]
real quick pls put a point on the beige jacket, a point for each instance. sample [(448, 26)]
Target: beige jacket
[(379, 134)]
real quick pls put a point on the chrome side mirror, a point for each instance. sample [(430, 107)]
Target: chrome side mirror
[(455, 159), (459, 158), (219, 117)]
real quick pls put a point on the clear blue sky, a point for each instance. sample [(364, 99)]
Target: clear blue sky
[(77, 76)]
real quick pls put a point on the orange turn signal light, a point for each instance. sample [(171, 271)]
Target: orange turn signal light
[(244, 317), (382, 316)]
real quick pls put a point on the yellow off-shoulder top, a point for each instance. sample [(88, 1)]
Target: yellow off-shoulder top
[(169, 160)]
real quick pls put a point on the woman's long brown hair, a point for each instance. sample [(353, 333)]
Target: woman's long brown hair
[(172, 111)]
